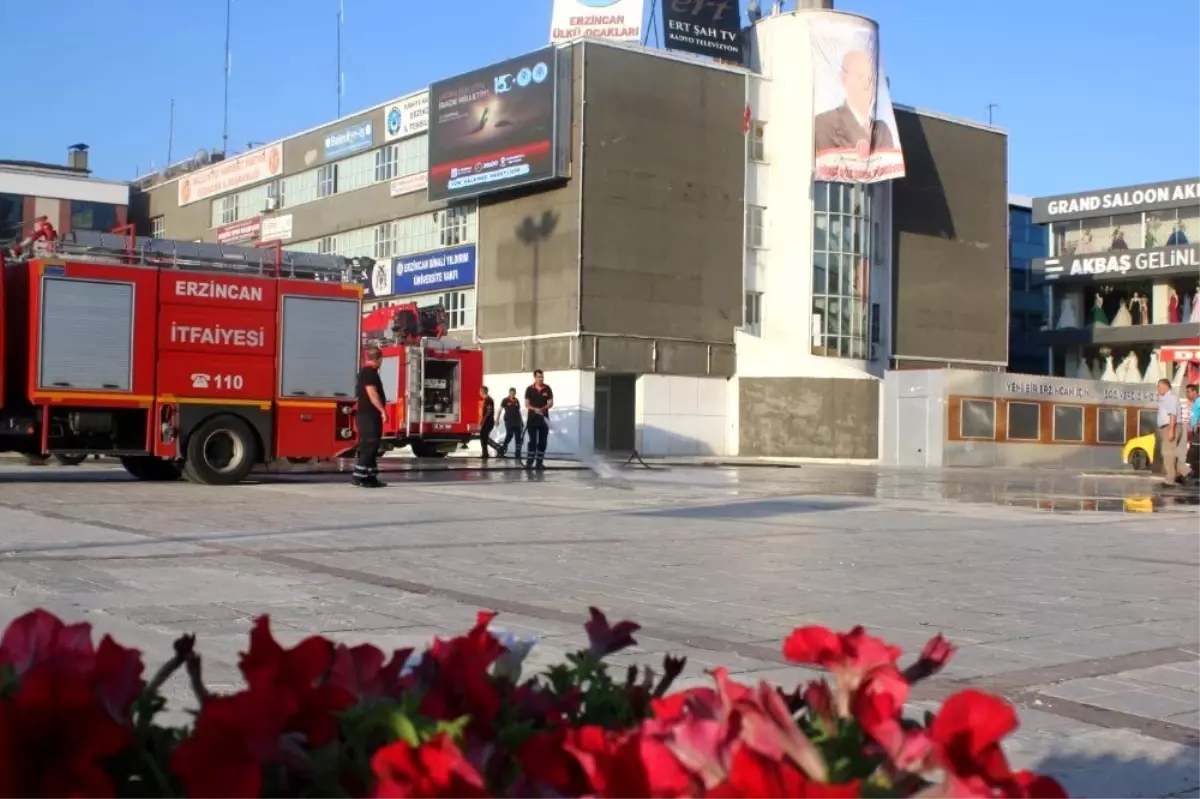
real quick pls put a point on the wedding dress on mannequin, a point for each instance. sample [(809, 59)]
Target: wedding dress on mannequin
[(1185, 313), (1153, 369), (1066, 314), (1110, 374), (1181, 370), (1173, 315), (1099, 317), (1194, 316), (1083, 372), (1133, 369), (1135, 309), (1122, 318)]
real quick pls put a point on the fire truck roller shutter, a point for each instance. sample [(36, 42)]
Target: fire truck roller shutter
[(86, 335), (320, 347)]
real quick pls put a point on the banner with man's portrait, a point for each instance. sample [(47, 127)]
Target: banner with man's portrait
[(855, 139)]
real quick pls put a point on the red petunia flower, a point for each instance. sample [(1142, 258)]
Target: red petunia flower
[(455, 676), (854, 650), (966, 735), (55, 736), (361, 672), (40, 637), (752, 775), (604, 640), (933, 658), (302, 671), (436, 768), (233, 739)]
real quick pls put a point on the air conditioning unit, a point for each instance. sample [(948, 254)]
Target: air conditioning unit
[(269, 204)]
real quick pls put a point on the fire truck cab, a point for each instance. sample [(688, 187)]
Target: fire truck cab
[(181, 359), (432, 382)]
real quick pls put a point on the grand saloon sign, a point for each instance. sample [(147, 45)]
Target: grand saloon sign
[(1106, 266), (1127, 200)]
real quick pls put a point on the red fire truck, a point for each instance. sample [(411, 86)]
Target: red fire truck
[(178, 358), (432, 382)]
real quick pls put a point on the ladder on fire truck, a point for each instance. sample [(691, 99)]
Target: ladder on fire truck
[(268, 259)]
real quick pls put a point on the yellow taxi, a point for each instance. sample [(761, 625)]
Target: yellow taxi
[(1139, 452)]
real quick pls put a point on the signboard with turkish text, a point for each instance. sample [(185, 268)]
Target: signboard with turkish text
[(235, 173), (277, 228), (495, 128), (406, 117), (1109, 266), (245, 230), (610, 20), (408, 184), (704, 27), (434, 271), (347, 141), (1183, 193)]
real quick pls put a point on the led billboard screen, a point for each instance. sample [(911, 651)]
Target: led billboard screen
[(495, 128)]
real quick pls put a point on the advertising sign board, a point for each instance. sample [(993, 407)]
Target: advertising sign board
[(406, 117), (349, 140), (495, 128), (610, 20), (236, 173), (433, 271), (704, 27)]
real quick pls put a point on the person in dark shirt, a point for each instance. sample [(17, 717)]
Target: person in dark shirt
[(510, 409), (370, 417), (487, 422), (539, 399)]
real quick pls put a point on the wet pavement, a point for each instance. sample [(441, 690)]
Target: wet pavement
[(1074, 596)]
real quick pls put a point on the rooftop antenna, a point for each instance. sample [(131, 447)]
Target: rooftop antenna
[(228, 69), (170, 131), (652, 26), (341, 79), (991, 107)]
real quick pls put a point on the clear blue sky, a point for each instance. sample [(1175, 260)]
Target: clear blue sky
[(1092, 94)]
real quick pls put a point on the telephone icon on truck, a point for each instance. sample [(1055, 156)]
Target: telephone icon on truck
[(200, 380)]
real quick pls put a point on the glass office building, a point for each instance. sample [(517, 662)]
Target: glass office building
[(1027, 302)]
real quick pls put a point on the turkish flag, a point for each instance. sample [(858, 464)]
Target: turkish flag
[(746, 118)]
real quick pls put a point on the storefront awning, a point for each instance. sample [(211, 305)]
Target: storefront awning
[(1181, 351)]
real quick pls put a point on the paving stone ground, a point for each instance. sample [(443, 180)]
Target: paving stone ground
[(1088, 621)]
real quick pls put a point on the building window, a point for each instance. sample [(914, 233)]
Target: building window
[(460, 309), (385, 241), (1110, 425), (756, 142), (229, 209), (456, 225), (1068, 423), (756, 226), (11, 211), (1147, 422), (1024, 421), (93, 216), (158, 228), (386, 163), (977, 419), (275, 195), (327, 245), (752, 313), (843, 242), (327, 180)]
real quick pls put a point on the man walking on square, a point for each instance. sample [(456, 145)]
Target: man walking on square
[(1170, 432), (510, 408), (539, 399)]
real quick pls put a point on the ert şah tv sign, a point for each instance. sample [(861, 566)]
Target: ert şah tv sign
[(704, 27)]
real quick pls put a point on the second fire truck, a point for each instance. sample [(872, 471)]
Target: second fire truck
[(178, 358), (432, 383)]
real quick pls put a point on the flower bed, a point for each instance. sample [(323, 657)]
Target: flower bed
[(324, 719)]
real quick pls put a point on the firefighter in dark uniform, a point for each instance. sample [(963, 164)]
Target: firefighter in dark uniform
[(539, 399), (487, 422), (370, 416), (510, 406)]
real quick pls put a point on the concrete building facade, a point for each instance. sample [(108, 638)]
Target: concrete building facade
[(67, 195), (673, 275)]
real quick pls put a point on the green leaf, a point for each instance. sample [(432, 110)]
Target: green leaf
[(404, 729)]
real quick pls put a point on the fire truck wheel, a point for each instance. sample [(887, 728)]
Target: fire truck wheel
[(222, 451), (70, 458), (150, 468), (422, 449)]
